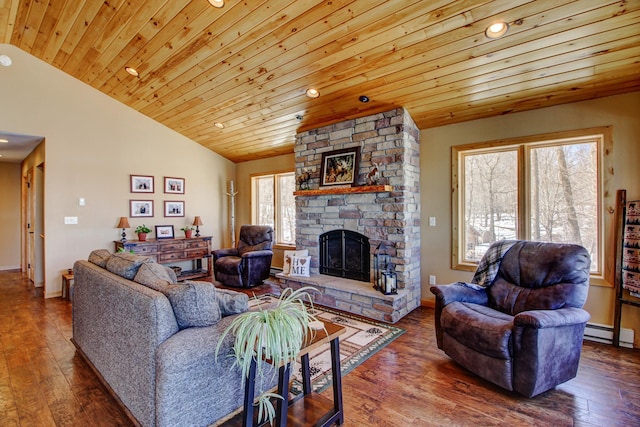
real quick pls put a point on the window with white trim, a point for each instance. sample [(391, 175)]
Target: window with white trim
[(544, 188), (273, 204)]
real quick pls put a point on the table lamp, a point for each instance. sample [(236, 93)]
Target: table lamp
[(123, 223), (197, 222)]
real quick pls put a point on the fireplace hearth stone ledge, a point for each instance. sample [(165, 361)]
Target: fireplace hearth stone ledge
[(352, 296)]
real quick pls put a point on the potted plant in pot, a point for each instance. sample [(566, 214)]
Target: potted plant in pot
[(275, 334), (142, 231), (188, 230)]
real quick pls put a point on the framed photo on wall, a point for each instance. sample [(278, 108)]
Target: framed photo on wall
[(173, 208), (140, 208), (173, 185), (164, 232), (141, 184), (340, 167)]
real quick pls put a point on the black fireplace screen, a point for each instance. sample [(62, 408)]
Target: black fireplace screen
[(345, 253)]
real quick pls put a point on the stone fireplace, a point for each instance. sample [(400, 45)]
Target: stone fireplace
[(387, 212)]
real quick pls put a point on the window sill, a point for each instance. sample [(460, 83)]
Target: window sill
[(284, 247)]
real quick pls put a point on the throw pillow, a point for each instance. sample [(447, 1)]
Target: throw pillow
[(99, 257), (286, 268), (231, 302), (194, 304), (126, 264), (154, 276), (300, 266)]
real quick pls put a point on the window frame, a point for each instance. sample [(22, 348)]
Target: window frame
[(277, 212), (523, 145)]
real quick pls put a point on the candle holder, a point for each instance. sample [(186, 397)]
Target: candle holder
[(384, 278)]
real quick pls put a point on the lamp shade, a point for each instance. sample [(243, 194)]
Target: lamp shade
[(197, 221), (123, 223)]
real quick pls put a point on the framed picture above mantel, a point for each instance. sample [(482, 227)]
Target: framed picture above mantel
[(340, 167)]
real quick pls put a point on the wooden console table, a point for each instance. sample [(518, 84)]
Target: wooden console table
[(167, 251)]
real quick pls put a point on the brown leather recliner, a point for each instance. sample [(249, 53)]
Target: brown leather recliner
[(249, 263)]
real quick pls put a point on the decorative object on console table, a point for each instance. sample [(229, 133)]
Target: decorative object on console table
[(142, 231), (164, 232), (197, 222), (340, 167), (188, 231), (170, 251), (123, 223)]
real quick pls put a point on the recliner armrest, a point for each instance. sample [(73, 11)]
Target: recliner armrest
[(257, 254), (219, 253), (447, 294), (541, 319)]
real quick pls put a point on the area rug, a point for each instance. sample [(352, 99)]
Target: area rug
[(362, 339)]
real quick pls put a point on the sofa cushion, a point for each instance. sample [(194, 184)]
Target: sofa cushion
[(126, 264), (479, 327), (99, 257), (194, 304), (154, 276)]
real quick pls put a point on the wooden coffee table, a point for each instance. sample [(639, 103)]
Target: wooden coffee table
[(308, 408)]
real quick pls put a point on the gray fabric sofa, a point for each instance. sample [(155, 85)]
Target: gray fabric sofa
[(523, 331), (163, 373)]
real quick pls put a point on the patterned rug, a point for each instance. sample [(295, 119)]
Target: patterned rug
[(362, 339)]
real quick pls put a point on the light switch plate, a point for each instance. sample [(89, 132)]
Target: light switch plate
[(70, 219)]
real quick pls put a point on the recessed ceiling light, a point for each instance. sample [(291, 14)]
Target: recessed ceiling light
[(216, 3), (364, 98), (218, 125), (496, 30), (132, 71), (313, 93), (5, 61)]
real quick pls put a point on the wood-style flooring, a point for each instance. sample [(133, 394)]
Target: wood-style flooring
[(43, 382)]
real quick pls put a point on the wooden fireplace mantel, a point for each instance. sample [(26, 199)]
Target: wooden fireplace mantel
[(344, 190)]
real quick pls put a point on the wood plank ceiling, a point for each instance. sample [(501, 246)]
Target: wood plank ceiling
[(247, 65)]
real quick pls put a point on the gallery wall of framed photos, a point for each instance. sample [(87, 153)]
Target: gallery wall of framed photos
[(141, 205)]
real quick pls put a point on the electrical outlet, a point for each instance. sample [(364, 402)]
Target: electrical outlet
[(432, 280)]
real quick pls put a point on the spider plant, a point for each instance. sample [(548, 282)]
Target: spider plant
[(275, 334)]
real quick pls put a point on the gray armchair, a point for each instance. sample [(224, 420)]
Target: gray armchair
[(524, 330), (249, 263)]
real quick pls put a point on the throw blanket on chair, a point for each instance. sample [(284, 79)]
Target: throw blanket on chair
[(631, 248), (489, 265)]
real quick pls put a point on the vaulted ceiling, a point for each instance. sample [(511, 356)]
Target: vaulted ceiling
[(247, 65)]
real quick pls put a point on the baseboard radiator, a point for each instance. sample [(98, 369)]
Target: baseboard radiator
[(604, 334)]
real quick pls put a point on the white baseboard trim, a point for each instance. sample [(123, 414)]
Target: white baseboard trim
[(9, 267), (604, 334)]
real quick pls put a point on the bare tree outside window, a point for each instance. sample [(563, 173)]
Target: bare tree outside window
[(274, 204), (558, 193)]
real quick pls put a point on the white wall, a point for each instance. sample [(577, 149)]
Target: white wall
[(621, 111), (93, 144)]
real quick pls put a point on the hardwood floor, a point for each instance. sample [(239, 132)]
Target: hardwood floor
[(409, 383)]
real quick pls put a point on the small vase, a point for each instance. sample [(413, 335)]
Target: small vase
[(142, 237), (188, 233)]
